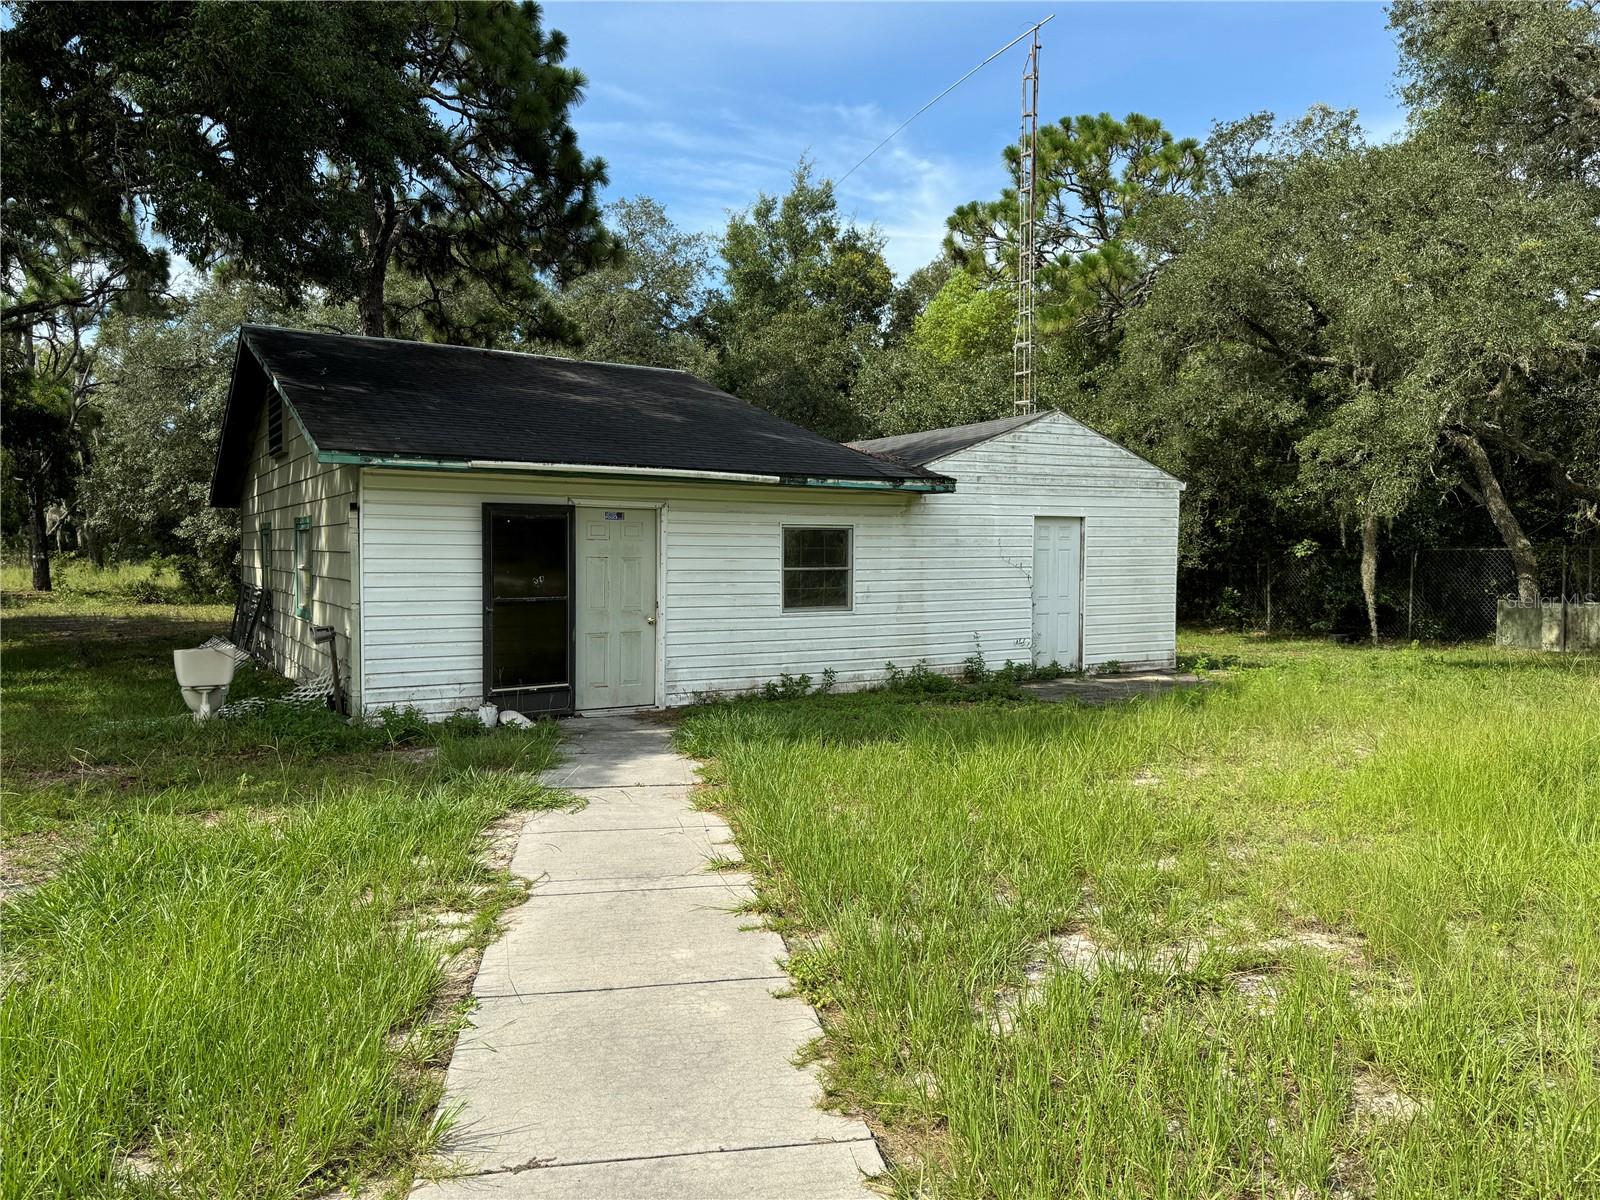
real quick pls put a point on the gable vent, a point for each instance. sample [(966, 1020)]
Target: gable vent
[(275, 426)]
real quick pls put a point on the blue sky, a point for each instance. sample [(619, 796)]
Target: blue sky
[(704, 105)]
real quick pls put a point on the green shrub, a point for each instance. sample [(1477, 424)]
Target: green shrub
[(1015, 672), (919, 679), (975, 669), (459, 725), (1229, 610), (404, 726), (786, 687)]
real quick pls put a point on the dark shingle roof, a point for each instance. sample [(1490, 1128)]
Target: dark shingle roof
[(920, 449), (383, 397)]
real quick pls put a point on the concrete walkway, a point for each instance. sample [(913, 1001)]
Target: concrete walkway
[(627, 1042)]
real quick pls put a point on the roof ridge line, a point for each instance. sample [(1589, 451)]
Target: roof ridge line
[(367, 337)]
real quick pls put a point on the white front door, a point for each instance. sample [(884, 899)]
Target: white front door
[(1057, 590), (616, 626)]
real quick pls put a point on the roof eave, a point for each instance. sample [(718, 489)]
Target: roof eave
[(219, 493), (220, 496)]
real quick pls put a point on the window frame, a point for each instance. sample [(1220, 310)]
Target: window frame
[(264, 539), (849, 568), (303, 566)]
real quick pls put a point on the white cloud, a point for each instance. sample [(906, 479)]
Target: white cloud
[(718, 156)]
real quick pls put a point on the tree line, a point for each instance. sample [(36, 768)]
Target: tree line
[(1327, 337)]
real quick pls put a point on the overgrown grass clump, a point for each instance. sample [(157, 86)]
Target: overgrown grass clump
[(1323, 927), (223, 977)]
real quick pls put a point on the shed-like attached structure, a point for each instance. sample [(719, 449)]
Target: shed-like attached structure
[(559, 536)]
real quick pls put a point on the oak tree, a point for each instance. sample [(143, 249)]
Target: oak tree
[(316, 146)]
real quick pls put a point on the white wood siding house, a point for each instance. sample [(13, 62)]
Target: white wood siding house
[(555, 580), (294, 507)]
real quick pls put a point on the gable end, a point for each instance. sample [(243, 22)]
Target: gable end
[(1056, 420)]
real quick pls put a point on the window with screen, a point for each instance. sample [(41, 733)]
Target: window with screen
[(816, 567), (529, 593)]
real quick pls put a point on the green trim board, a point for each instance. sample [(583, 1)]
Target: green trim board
[(872, 485), (390, 462), (283, 398), (346, 458)]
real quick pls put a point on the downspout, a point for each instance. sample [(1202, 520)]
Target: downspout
[(357, 664)]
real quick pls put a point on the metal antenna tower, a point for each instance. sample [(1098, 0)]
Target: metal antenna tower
[(1027, 258)]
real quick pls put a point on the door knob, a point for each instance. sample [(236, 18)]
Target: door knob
[(649, 620)]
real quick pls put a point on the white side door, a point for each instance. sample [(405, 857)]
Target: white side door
[(616, 623), (1057, 590)]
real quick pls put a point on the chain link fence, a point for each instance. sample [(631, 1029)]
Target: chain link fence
[(1433, 594)]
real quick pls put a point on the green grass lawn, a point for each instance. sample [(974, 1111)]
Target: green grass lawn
[(223, 973), (81, 587), (1328, 926)]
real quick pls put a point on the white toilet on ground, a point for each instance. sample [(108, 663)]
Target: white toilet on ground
[(204, 676)]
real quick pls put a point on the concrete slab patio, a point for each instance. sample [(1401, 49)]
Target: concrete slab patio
[(1111, 689), (627, 1040)]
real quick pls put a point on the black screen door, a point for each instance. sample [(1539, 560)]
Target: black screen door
[(527, 606)]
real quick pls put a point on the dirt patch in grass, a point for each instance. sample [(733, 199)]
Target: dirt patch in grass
[(918, 1152), (1374, 1098), (99, 632), (500, 840), (1330, 943), (30, 859), (77, 775), (672, 717), (1258, 990), (1080, 952)]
